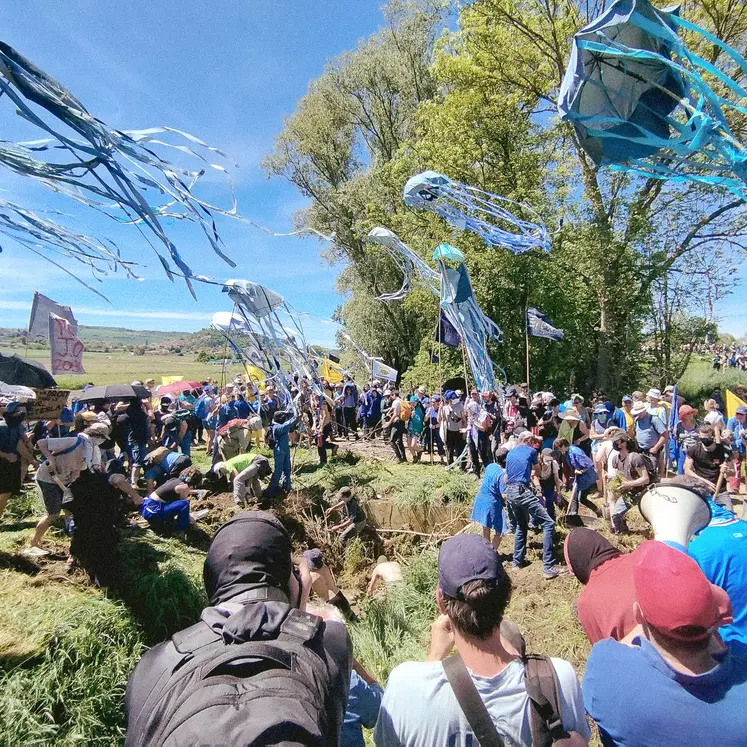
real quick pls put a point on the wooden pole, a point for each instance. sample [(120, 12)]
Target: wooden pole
[(526, 334)]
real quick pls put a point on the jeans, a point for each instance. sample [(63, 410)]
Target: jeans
[(548, 493), (395, 439), (525, 504), (432, 441), (282, 471)]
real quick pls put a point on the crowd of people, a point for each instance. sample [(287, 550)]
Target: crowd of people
[(270, 660)]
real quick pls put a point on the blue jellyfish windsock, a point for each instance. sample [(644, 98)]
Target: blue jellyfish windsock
[(638, 100), (462, 310), (453, 289), (484, 213)]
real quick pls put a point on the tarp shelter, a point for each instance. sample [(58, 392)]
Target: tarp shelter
[(25, 372)]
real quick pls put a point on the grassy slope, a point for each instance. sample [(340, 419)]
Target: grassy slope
[(700, 379), (66, 649)]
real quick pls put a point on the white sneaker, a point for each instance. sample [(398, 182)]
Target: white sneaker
[(35, 552), (197, 515)]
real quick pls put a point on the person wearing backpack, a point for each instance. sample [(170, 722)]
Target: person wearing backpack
[(256, 669), (397, 416), (489, 691)]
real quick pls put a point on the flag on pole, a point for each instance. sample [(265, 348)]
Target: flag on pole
[(381, 371), (732, 402), (41, 308), (446, 333), (538, 326), (330, 371), (66, 348), (674, 445)]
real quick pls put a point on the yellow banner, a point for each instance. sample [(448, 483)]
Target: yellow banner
[(257, 376), (171, 379), (732, 402), (330, 371)]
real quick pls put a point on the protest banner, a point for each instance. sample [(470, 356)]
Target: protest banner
[(66, 348), (48, 404), (41, 308)]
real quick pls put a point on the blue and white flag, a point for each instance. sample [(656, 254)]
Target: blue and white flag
[(538, 326)]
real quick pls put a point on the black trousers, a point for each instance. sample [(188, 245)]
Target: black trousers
[(324, 443), (454, 445), (395, 439)]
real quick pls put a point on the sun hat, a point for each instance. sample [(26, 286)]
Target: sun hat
[(638, 409), (465, 558), (654, 394), (669, 388), (571, 413), (613, 433), (89, 415), (741, 410), (674, 596), (686, 410)]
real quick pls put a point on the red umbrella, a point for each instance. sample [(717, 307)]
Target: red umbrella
[(176, 387)]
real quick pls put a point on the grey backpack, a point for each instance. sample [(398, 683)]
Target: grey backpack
[(254, 693)]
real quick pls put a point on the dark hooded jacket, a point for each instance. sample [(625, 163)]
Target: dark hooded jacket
[(246, 576)]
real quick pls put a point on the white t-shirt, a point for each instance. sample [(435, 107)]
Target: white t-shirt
[(419, 708), (715, 418)]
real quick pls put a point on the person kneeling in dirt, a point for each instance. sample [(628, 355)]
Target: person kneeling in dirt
[(273, 655), (323, 583), (167, 507), (388, 571), (244, 471), (355, 521), (163, 464), (446, 699)]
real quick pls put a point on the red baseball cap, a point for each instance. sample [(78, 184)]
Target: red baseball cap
[(674, 596)]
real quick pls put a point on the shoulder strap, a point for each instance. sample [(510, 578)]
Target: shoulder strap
[(542, 688), (470, 702)]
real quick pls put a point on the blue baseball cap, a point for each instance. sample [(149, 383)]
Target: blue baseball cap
[(741, 410), (627, 398), (465, 558), (449, 394), (11, 407)]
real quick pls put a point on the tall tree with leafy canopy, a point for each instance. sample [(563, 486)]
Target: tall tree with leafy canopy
[(478, 104)]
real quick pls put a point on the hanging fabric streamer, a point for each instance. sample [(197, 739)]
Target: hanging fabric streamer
[(453, 289), (282, 350), (484, 213), (639, 102)]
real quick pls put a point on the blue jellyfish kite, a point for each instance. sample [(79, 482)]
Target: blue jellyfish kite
[(121, 174), (454, 290), (639, 100), (471, 209)]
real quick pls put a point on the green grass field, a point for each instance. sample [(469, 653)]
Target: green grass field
[(120, 368), (700, 379)]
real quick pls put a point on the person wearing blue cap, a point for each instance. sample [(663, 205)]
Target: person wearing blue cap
[(420, 707)]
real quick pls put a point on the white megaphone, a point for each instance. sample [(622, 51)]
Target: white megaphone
[(674, 513)]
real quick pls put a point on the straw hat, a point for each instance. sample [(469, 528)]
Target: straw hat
[(571, 413), (638, 409)]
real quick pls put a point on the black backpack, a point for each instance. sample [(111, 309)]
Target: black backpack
[(254, 693)]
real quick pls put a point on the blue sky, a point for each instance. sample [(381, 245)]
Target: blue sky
[(227, 72)]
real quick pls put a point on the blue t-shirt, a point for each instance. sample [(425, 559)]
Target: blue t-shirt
[(735, 427), (721, 552), (10, 436), (638, 700), (519, 463), (648, 429), (167, 463), (362, 710), (243, 409)]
